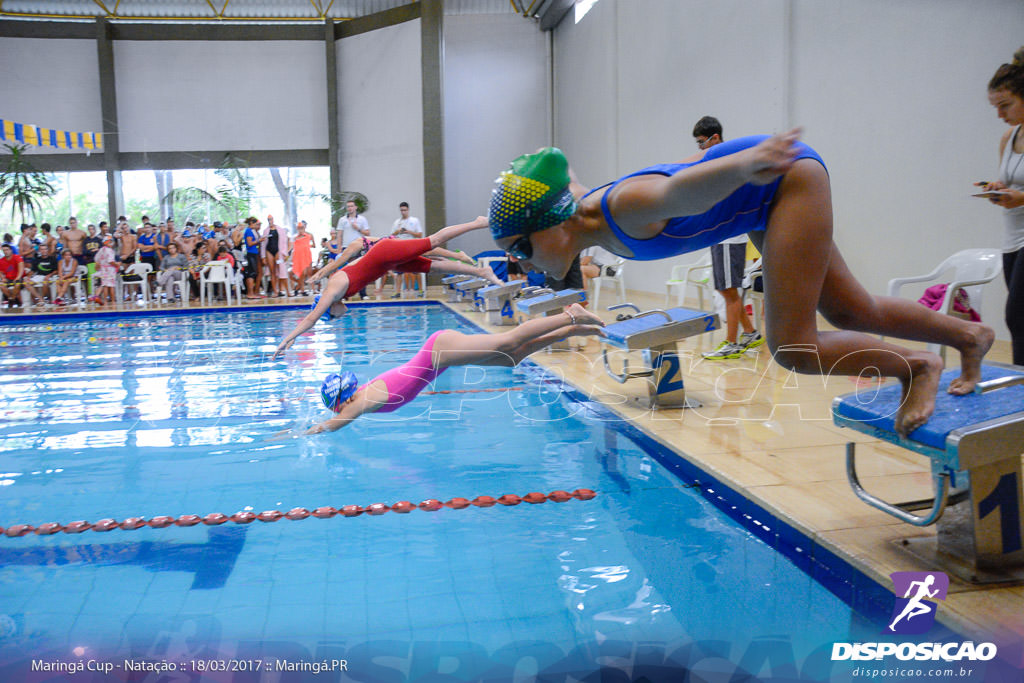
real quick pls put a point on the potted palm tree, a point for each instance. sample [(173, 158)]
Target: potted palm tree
[(22, 185)]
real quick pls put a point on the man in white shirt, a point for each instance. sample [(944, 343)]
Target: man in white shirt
[(406, 228), (352, 225)]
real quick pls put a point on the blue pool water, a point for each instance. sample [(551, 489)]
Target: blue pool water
[(174, 415)]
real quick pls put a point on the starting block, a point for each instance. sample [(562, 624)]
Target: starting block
[(450, 281), (975, 444), (547, 302), (655, 333), (498, 302), (467, 290)]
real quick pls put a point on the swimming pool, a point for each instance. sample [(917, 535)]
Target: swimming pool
[(115, 418)]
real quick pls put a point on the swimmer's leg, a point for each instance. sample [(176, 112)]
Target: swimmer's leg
[(461, 268), (507, 349), (797, 258), (846, 304), (452, 231)]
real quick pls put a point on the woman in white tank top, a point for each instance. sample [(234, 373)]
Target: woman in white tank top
[(1006, 94)]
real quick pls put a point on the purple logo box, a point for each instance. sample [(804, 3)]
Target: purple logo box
[(916, 593)]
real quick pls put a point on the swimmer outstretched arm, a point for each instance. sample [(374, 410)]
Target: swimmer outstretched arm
[(335, 289), (645, 201), (367, 399)]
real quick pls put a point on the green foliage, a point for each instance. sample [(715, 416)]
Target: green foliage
[(230, 201), (22, 186), (338, 201), (136, 207)]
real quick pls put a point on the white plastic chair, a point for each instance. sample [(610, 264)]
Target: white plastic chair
[(142, 270), (214, 273), (181, 283), (489, 261), (617, 279), (697, 275), (751, 275), (970, 269), (79, 282)]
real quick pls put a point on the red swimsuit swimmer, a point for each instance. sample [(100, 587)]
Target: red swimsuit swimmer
[(404, 256)]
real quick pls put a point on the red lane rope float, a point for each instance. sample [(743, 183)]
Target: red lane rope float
[(402, 507)]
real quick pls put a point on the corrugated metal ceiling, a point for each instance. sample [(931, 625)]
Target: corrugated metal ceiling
[(227, 10)]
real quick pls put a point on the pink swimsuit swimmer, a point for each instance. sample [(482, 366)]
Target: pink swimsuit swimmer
[(406, 381)]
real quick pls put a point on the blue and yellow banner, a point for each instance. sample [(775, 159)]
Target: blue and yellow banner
[(28, 134)]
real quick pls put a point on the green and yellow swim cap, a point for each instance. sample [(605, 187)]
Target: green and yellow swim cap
[(532, 195)]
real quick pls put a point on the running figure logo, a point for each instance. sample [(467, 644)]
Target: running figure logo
[(915, 611)]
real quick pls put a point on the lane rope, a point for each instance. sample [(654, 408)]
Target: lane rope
[(295, 514)]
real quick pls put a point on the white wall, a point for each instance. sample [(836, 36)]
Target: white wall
[(381, 121), (496, 107), (51, 83), (633, 77), (891, 94), (199, 95)]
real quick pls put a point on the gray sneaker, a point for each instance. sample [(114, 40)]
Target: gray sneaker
[(725, 351), (751, 340)]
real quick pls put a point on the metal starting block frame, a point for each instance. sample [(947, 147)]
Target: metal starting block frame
[(655, 334), (545, 301), (975, 444), (450, 281), (467, 291), (498, 302)]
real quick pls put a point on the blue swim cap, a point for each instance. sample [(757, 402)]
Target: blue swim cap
[(337, 389), (532, 195)]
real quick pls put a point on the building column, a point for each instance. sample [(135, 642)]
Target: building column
[(108, 112), (432, 77), (333, 143)]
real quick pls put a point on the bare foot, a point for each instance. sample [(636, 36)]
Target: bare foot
[(582, 316), (919, 392), (488, 274), (970, 359)]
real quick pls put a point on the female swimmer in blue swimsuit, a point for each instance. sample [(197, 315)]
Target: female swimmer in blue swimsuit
[(445, 349), (777, 189)]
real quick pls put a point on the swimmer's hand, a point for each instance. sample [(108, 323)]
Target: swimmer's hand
[(481, 222), (284, 434), (318, 275), (281, 348), (773, 157)]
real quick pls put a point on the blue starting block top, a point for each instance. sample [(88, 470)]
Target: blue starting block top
[(510, 287), (617, 333), (524, 305), (874, 411)]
